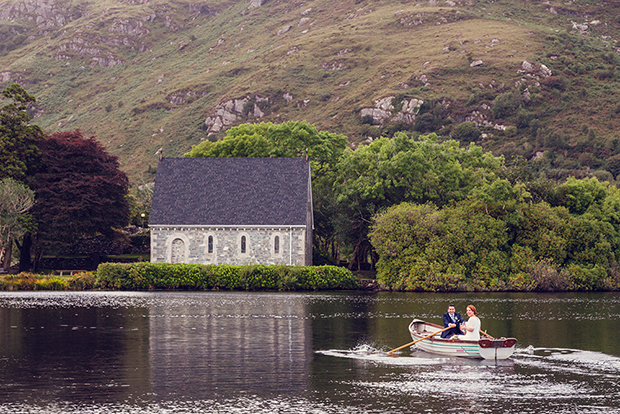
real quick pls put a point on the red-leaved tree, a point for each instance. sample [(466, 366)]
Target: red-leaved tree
[(80, 191)]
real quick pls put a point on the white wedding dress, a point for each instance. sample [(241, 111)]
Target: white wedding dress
[(472, 323)]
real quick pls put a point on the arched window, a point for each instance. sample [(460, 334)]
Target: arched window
[(276, 245), (210, 244), (243, 243)]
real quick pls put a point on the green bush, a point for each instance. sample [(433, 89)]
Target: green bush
[(142, 276), (82, 281), (51, 284)]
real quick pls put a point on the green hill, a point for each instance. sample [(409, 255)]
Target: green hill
[(538, 79)]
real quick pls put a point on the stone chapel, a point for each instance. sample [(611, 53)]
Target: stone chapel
[(233, 211)]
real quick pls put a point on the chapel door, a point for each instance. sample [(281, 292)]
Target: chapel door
[(178, 251)]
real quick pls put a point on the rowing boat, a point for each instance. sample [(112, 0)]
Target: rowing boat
[(485, 348)]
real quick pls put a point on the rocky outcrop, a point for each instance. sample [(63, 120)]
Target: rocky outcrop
[(236, 110), (284, 29), (535, 70), (44, 13), (184, 96), (480, 118), (80, 47), (5, 77), (384, 110), (333, 65), (129, 27)]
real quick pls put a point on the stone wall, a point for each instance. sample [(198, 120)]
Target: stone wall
[(191, 245)]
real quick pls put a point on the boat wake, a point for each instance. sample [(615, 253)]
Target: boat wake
[(570, 360), (369, 353)]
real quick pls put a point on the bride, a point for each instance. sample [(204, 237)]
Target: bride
[(472, 326)]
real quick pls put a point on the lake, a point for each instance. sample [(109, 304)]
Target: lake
[(238, 352)]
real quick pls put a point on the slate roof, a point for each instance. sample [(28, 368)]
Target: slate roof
[(230, 191)]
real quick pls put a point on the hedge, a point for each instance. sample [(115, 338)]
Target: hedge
[(148, 276)]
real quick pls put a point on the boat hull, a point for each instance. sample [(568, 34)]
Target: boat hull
[(485, 348)]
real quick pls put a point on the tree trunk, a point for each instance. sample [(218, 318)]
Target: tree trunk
[(359, 255), (374, 258), (354, 257), (25, 259), (38, 255), (8, 252)]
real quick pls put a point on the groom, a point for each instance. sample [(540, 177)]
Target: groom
[(453, 320)]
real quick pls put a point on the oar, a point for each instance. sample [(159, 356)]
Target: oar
[(417, 340), (486, 334)]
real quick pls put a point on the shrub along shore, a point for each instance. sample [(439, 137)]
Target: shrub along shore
[(166, 276)]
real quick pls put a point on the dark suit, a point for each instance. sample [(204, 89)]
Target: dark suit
[(447, 321)]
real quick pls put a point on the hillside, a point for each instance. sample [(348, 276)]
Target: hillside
[(538, 79)]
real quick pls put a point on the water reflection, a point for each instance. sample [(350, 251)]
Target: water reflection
[(107, 352)]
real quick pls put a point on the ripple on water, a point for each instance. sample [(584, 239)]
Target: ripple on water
[(243, 405)]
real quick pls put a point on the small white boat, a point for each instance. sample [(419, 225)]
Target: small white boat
[(486, 348)]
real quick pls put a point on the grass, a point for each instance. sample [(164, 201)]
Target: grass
[(381, 51)]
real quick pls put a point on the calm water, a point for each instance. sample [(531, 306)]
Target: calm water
[(108, 352)]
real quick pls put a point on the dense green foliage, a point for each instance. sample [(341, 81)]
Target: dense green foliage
[(505, 242), (288, 139), (390, 171), (18, 138), (139, 276)]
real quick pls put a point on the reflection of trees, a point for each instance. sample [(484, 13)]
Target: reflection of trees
[(78, 351)]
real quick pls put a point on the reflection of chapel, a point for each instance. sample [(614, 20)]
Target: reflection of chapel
[(232, 210)]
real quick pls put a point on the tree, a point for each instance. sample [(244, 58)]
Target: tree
[(289, 139), (466, 132), (403, 169), (15, 200), (80, 190), (579, 195), (19, 152), (423, 248)]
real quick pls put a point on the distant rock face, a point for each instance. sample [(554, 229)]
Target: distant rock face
[(45, 13), (284, 29), (184, 96), (5, 77), (230, 112), (527, 66), (384, 108), (130, 27), (535, 70), (581, 27), (256, 3)]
